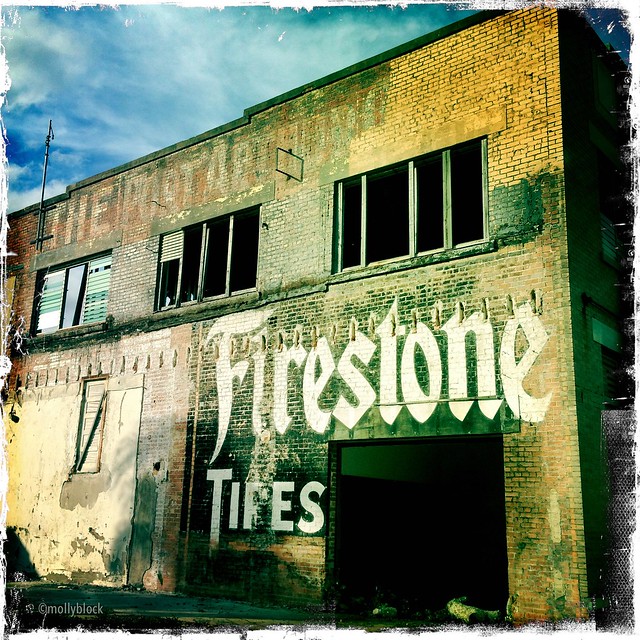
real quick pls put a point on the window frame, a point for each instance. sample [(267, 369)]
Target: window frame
[(205, 245), (411, 166), (84, 289), (98, 426)]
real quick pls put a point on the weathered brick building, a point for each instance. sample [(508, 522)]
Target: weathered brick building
[(354, 345)]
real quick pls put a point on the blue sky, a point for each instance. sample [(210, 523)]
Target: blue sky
[(121, 82)]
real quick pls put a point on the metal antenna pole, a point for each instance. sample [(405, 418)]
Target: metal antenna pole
[(39, 236)]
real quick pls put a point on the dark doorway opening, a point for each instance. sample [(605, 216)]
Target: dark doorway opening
[(419, 523)]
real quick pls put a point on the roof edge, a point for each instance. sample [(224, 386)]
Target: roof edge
[(249, 112)]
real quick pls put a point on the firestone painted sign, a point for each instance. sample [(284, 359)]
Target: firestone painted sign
[(317, 365)]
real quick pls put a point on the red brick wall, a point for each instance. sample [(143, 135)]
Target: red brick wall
[(499, 79)]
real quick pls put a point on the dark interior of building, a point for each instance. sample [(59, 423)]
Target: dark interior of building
[(420, 523)]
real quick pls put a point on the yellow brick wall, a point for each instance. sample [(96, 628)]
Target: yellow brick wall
[(499, 79)]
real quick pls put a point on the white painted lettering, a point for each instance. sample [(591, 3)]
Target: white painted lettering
[(312, 508), (363, 349), (282, 359), (420, 404), (234, 508), (258, 387), (252, 494), (352, 366), (241, 323), (457, 330), (312, 388), (514, 372), (217, 476), (457, 356), (225, 375), (279, 504), (389, 407)]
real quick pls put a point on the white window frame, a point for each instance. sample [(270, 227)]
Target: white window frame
[(95, 295)]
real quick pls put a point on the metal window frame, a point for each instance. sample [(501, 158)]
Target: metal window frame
[(413, 210), (200, 285), (363, 220), (203, 260), (251, 211), (339, 226), (447, 209), (485, 194), (161, 267), (339, 206), (204, 248), (161, 263), (484, 155), (204, 252), (227, 282)]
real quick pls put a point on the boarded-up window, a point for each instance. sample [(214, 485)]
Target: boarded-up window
[(93, 410)]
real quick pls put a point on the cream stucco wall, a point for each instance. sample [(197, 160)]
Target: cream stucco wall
[(74, 526)]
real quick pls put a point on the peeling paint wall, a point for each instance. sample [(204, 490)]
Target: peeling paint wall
[(76, 525), (217, 475)]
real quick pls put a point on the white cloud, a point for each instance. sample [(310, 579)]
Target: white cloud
[(41, 59), (15, 172), (21, 199), (121, 83)]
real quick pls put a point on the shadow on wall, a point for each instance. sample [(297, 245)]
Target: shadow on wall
[(115, 563), (142, 528), (19, 564)]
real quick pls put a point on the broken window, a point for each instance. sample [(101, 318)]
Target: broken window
[(191, 264), (243, 265), (606, 92), (170, 259), (430, 193), (215, 273), (428, 204), (212, 259), (74, 295), (89, 442), (611, 200), (387, 208)]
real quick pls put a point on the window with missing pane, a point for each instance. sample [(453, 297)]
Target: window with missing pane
[(213, 259), (244, 253), (189, 282), (427, 204), (387, 215), (429, 211), (217, 258), (466, 194)]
